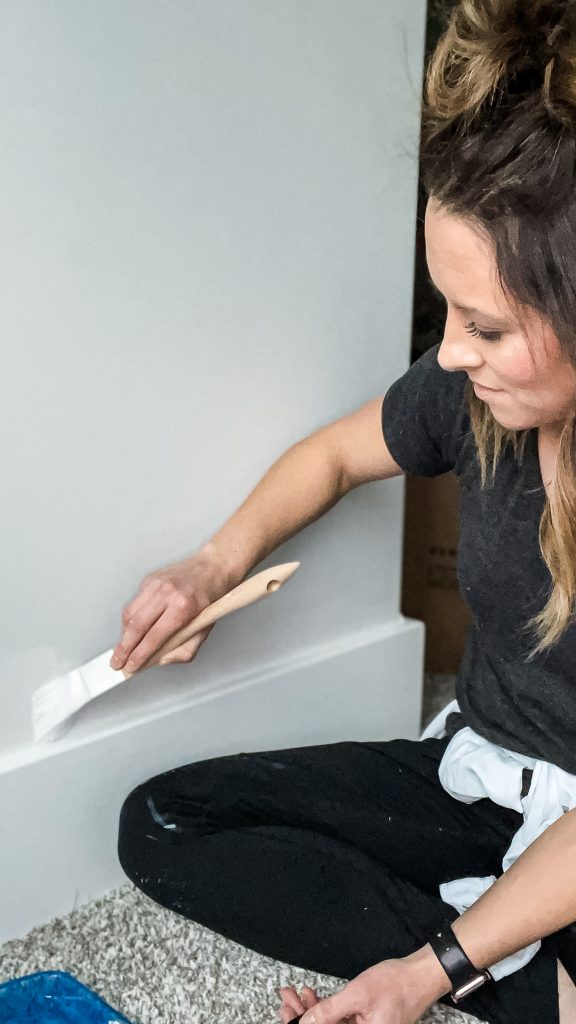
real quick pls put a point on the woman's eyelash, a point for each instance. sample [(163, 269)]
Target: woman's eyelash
[(486, 335), (471, 327)]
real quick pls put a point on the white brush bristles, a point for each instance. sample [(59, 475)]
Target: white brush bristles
[(55, 702)]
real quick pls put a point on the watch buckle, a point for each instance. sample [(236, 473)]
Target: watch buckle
[(470, 986)]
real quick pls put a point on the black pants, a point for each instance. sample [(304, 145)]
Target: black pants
[(326, 857)]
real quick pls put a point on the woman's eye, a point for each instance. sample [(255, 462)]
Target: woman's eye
[(486, 335)]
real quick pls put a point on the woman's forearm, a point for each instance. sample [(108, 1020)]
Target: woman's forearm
[(533, 898), (303, 484)]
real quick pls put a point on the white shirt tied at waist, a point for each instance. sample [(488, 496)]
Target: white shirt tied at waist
[(472, 768)]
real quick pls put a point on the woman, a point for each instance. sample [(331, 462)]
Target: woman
[(357, 859)]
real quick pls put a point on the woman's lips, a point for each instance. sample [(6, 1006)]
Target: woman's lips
[(481, 389)]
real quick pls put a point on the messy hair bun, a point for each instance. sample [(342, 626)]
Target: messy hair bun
[(498, 50), (498, 148)]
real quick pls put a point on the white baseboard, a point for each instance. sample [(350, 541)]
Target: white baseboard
[(61, 802)]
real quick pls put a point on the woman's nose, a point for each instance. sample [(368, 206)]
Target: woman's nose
[(458, 351)]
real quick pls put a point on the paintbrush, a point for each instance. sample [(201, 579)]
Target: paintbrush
[(55, 702)]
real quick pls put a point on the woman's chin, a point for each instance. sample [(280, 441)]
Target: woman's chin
[(513, 422)]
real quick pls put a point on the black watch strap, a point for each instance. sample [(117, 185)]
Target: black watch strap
[(464, 977)]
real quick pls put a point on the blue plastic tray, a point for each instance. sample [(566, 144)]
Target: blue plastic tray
[(53, 997)]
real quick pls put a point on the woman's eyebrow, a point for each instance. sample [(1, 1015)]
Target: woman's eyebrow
[(497, 320)]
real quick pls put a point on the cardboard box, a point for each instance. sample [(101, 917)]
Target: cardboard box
[(430, 589)]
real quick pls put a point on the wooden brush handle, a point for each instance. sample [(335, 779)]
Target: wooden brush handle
[(247, 592)]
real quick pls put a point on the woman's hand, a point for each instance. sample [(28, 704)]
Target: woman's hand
[(391, 992), (169, 599)]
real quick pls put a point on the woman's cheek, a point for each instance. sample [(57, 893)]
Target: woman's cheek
[(518, 370)]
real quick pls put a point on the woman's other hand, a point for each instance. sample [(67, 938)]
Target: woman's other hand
[(391, 992), (167, 600)]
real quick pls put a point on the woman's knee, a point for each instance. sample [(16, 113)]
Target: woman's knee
[(132, 826), (145, 825), (185, 803), (157, 812)]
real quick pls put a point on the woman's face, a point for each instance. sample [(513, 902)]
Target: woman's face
[(533, 386)]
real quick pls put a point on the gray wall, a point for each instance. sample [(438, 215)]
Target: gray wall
[(207, 218)]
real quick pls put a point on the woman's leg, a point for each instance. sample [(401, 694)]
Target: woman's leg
[(325, 857)]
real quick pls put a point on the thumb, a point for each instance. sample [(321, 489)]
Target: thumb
[(332, 1010), (186, 651)]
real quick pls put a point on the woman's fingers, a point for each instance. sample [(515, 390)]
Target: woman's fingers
[(309, 997), (168, 600), (145, 591), (292, 1005), (158, 605), (289, 995), (145, 640), (136, 628)]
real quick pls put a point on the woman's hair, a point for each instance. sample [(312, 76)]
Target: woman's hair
[(498, 149)]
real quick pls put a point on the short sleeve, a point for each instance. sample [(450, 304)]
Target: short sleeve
[(422, 415)]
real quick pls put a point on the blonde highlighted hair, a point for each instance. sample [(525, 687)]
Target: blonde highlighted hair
[(498, 148)]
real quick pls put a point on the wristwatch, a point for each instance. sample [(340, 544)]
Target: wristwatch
[(464, 977)]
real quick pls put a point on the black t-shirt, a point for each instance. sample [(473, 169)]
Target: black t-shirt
[(526, 707)]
